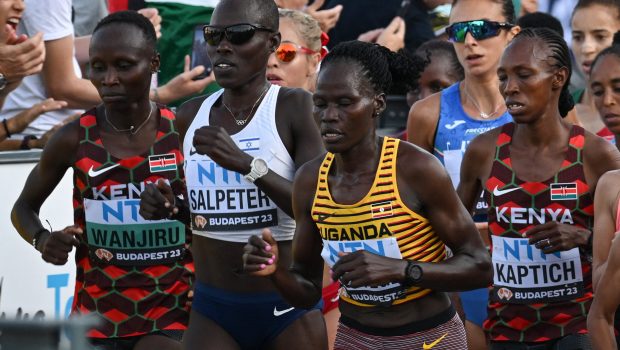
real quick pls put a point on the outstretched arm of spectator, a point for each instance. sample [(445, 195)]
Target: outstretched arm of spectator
[(327, 18), (182, 85), (393, 37), (20, 56), (20, 121), (60, 79)]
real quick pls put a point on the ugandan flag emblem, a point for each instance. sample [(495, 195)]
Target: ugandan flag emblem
[(162, 162), (381, 210), (564, 192)]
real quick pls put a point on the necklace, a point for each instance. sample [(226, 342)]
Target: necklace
[(243, 121), (483, 115), (132, 130)]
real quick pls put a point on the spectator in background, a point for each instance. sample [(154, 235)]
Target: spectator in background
[(593, 26), (179, 19), (20, 56), (60, 77), (360, 16), (541, 19), (327, 18)]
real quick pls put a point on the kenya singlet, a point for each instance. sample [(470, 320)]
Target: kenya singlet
[(223, 204), (537, 297), (380, 223), (132, 272)]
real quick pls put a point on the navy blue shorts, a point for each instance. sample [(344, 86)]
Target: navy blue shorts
[(252, 319)]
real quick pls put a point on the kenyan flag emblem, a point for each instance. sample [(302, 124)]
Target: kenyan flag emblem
[(162, 162), (564, 192)]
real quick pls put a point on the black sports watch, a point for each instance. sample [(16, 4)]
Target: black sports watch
[(413, 273)]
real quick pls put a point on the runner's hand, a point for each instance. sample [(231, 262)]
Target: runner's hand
[(157, 201), (260, 256), (362, 268), (561, 237), (57, 245), (215, 142)]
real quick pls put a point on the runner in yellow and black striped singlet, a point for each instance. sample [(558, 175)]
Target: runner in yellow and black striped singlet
[(381, 213), (380, 223)]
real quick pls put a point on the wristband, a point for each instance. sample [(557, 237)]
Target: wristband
[(37, 236), (6, 128), (24, 145), (183, 214)]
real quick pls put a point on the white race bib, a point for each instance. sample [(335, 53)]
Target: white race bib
[(523, 274), (373, 295)]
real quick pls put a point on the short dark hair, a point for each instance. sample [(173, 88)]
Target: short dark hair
[(265, 12), (131, 18), (444, 49), (508, 9), (541, 20), (560, 56), (386, 71)]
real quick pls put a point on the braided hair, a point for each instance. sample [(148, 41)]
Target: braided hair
[(386, 71), (560, 57)]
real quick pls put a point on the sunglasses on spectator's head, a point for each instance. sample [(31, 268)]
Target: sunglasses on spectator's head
[(287, 51), (479, 29), (236, 34)]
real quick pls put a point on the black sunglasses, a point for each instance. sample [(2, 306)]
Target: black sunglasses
[(236, 34), (479, 29)]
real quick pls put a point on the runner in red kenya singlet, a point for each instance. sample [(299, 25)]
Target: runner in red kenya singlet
[(539, 174), (133, 273)]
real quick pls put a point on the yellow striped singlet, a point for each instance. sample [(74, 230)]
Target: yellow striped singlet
[(379, 223)]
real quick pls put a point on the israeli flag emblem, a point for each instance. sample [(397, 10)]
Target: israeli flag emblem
[(252, 144)]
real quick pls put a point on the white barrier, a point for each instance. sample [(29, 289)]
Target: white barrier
[(26, 281)]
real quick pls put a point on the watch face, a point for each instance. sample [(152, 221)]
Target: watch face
[(261, 166), (415, 272)]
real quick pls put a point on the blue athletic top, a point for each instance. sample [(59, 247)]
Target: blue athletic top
[(455, 130)]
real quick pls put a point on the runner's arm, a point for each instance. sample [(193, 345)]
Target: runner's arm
[(56, 158), (475, 161), (605, 204), (305, 139), (606, 301), (422, 122), (301, 283), (470, 266)]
